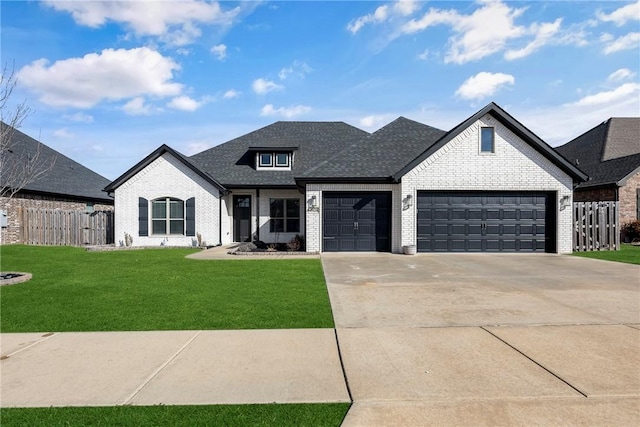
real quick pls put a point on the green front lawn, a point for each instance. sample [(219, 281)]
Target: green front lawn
[(158, 289), (317, 414), (627, 253)]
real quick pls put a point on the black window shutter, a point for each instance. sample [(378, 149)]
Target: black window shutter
[(143, 216), (638, 203), (191, 217)]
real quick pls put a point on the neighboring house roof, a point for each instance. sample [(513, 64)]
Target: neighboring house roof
[(153, 156), (67, 178), (609, 153), (233, 163), (379, 155), (514, 126)]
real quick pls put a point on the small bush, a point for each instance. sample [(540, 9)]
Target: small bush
[(296, 244), (631, 231)]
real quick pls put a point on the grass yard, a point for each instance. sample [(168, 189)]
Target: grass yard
[(627, 253), (317, 414), (158, 289)]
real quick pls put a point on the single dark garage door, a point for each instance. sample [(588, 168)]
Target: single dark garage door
[(486, 222), (356, 222)]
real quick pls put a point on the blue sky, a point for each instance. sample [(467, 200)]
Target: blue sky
[(111, 81)]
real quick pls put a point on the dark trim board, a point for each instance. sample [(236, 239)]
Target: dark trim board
[(356, 222), (476, 221)]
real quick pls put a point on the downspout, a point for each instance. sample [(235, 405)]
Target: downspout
[(257, 214), (220, 218)]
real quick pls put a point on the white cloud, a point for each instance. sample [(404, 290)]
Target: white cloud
[(621, 74), (262, 86), (298, 68), (405, 7), (626, 42), (482, 33), (286, 112), (483, 85), (220, 51), (137, 107), (109, 75), (63, 133), (184, 103), (379, 15), (174, 22), (79, 117), (544, 33), (231, 93), (621, 93), (373, 121), (197, 147), (630, 12)]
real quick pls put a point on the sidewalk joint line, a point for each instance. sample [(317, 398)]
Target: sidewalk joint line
[(344, 372), (128, 400), (20, 350), (534, 361)]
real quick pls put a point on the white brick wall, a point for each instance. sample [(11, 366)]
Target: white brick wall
[(514, 166), (166, 177), (314, 217)]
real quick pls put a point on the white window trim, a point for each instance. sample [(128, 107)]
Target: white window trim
[(167, 217), (274, 162)]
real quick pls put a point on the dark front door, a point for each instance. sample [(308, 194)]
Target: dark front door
[(356, 222), (486, 222), (242, 218)]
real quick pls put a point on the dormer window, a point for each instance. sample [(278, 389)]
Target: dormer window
[(266, 160), (274, 160)]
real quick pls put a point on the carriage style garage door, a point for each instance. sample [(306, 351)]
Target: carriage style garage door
[(486, 221), (356, 222)]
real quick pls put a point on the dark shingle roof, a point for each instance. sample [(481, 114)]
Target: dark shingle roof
[(233, 163), (381, 154), (67, 178), (153, 156), (607, 153)]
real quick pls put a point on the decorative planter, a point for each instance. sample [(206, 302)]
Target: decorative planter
[(409, 250)]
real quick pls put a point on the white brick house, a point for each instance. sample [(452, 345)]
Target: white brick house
[(489, 184)]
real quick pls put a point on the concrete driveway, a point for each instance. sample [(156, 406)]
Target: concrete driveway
[(477, 339)]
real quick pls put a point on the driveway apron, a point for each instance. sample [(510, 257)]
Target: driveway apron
[(477, 339)]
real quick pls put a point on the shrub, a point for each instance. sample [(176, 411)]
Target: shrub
[(631, 231), (296, 244)]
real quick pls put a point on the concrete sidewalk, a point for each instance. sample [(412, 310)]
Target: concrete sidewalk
[(170, 368)]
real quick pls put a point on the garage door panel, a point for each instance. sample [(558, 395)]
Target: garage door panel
[(493, 221), (356, 221)]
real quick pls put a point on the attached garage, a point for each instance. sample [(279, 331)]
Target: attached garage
[(460, 221), (356, 222)]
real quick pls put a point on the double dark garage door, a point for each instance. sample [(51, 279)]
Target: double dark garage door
[(446, 222), (486, 222)]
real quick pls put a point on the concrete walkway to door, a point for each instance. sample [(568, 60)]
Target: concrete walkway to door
[(478, 339)]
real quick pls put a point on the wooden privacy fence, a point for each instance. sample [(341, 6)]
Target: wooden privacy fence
[(596, 226), (61, 227)]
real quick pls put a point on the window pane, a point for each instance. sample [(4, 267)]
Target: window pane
[(293, 208), (176, 208), (486, 140), (266, 159), (277, 208), (159, 226), (158, 209), (282, 159), (177, 226), (293, 225), (276, 225)]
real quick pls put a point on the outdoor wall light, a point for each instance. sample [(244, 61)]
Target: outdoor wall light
[(564, 202), (312, 203), (407, 202)]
